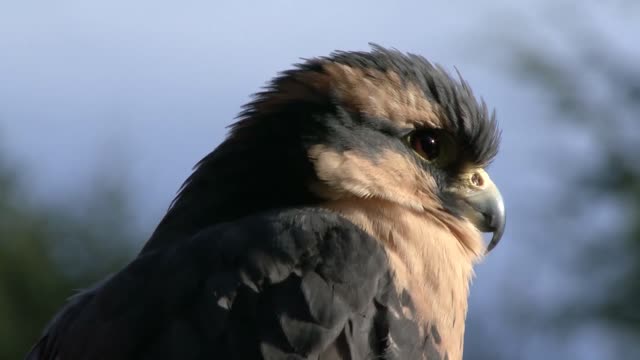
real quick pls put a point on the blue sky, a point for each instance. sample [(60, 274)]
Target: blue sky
[(138, 92)]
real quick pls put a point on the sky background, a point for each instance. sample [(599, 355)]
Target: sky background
[(139, 92)]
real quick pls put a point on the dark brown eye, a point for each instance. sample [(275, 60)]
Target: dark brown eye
[(433, 145), (426, 144)]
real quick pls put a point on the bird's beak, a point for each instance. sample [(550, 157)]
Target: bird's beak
[(482, 204)]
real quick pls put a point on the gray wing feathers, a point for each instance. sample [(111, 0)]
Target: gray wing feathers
[(286, 284)]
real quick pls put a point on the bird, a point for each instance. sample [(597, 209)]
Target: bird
[(341, 218)]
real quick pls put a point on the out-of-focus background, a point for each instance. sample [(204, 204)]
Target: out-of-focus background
[(105, 107)]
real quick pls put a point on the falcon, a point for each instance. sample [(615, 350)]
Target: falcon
[(341, 218)]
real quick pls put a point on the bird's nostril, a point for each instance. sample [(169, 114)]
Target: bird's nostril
[(477, 180)]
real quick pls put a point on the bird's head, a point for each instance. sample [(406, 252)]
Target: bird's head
[(364, 126)]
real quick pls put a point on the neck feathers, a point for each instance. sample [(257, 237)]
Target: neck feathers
[(432, 260)]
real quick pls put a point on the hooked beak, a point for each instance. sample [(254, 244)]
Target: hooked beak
[(482, 205)]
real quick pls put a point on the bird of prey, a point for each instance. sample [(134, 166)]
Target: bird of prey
[(340, 219)]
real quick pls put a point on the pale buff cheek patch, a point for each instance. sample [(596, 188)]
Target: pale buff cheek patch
[(392, 177)]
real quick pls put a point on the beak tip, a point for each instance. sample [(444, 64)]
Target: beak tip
[(497, 233)]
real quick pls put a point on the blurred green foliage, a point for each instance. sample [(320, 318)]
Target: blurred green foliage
[(48, 251)]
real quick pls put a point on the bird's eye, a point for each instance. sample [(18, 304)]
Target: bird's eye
[(433, 145)]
